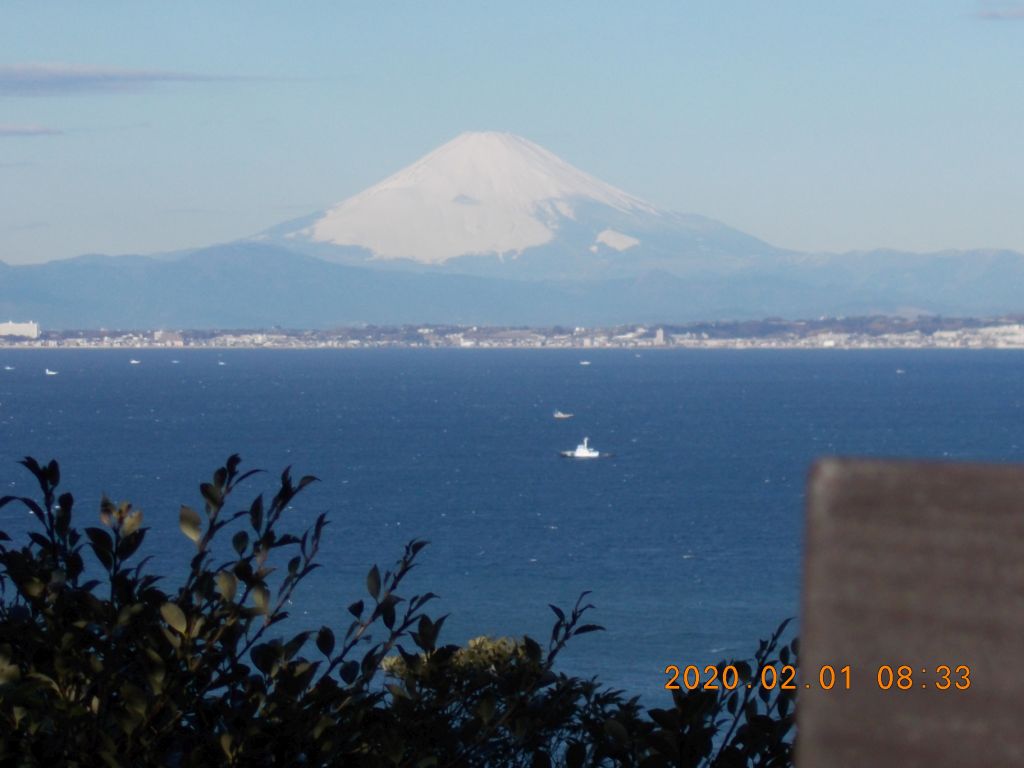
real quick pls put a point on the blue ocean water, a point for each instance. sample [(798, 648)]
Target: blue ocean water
[(689, 536)]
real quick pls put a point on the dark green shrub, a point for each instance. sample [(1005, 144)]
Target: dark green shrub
[(115, 670)]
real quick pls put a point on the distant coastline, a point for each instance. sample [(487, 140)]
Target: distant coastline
[(825, 333)]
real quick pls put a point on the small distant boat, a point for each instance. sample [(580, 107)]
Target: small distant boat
[(175, 362), (900, 371), (221, 362), (584, 362), (560, 415), (583, 451), (8, 367), (51, 373), (134, 362)]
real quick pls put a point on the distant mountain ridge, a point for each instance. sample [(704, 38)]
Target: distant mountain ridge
[(493, 229)]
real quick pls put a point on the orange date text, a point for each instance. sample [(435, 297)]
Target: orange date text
[(887, 677)]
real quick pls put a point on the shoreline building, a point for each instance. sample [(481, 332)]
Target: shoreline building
[(29, 330)]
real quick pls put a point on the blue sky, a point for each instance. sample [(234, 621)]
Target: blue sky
[(137, 127)]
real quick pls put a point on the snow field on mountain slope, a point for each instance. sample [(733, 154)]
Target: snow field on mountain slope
[(482, 192)]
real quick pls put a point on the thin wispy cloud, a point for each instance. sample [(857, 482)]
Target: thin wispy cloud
[(24, 226), (28, 130), (1005, 11), (1016, 14), (63, 79)]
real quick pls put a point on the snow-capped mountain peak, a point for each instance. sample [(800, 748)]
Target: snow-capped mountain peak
[(481, 193)]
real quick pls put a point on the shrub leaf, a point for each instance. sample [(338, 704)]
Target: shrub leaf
[(174, 616), (190, 524)]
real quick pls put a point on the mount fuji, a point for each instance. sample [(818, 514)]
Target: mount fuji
[(496, 204), (492, 229)]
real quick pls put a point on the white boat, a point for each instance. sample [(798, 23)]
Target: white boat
[(134, 362), (51, 373), (560, 415), (583, 451), (584, 362), (8, 367), (221, 362)]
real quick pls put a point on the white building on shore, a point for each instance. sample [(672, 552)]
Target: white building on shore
[(29, 330)]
